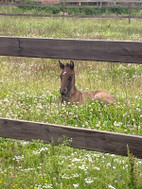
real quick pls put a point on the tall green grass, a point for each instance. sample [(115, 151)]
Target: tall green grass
[(113, 29), (25, 165)]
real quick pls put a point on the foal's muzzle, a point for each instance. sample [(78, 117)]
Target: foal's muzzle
[(63, 91)]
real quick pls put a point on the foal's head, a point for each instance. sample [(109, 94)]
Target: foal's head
[(67, 78)]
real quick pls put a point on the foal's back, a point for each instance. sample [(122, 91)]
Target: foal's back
[(101, 95), (98, 95)]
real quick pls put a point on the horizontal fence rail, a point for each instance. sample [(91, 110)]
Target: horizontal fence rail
[(89, 139), (93, 50), (31, 5), (72, 16), (126, 5), (76, 6), (103, 1), (69, 16)]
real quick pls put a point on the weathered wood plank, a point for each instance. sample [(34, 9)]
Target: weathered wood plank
[(31, 15), (105, 6), (105, 1), (90, 139), (30, 5), (48, 1), (110, 51), (69, 16), (126, 6)]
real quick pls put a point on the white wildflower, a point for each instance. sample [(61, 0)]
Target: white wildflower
[(108, 164), (76, 185), (110, 186), (65, 176), (75, 175), (97, 168), (76, 160), (88, 180), (39, 151), (118, 124), (24, 143), (17, 158), (83, 167)]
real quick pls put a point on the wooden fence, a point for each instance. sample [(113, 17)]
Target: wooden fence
[(74, 4), (112, 51), (128, 4), (94, 50), (90, 139)]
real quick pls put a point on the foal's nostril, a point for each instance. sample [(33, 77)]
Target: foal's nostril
[(63, 91)]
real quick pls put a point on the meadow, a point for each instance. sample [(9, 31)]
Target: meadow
[(30, 91)]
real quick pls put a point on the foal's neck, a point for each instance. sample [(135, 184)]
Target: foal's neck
[(72, 95), (71, 92)]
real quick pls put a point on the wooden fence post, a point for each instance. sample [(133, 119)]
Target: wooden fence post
[(129, 13), (101, 4), (64, 7)]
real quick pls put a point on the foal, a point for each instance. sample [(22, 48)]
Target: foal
[(70, 93)]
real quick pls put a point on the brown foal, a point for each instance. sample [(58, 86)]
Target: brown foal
[(70, 93)]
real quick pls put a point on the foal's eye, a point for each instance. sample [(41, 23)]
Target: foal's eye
[(70, 77)]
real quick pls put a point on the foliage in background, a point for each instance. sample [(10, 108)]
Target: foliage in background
[(70, 11)]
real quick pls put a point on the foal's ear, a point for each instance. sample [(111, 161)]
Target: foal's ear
[(71, 64), (61, 65)]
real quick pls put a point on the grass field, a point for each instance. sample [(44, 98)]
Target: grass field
[(30, 91), (113, 29)]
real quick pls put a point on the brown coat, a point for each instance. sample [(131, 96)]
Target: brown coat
[(81, 97)]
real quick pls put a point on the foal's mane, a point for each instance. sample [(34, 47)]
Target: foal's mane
[(67, 65)]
